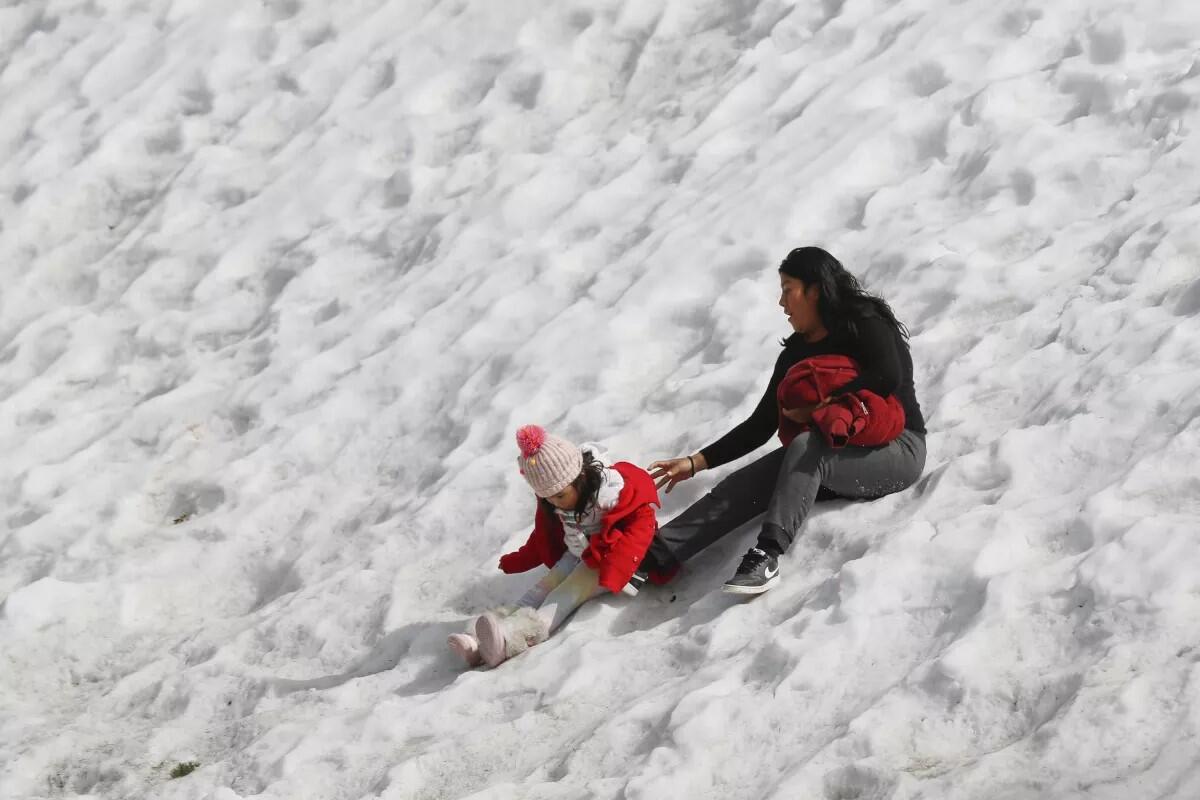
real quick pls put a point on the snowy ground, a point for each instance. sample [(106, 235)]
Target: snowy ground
[(279, 279)]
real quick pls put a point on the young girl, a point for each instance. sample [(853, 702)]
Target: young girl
[(592, 527)]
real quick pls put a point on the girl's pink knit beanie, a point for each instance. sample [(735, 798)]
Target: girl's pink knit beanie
[(548, 462)]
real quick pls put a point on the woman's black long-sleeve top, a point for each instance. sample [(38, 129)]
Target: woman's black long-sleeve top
[(885, 367)]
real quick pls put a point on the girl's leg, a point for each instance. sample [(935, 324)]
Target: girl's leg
[(467, 645), (537, 593), (540, 611), (732, 503), (580, 586), (501, 638), (859, 473)]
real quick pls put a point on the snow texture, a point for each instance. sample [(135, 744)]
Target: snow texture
[(279, 280)]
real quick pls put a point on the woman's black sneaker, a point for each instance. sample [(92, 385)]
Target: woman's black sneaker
[(635, 584), (758, 572)]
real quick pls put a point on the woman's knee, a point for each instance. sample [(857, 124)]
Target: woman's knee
[(809, 446), (807, 440)]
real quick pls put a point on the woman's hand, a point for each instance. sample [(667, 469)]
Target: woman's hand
[(803, 414), (674, 470)]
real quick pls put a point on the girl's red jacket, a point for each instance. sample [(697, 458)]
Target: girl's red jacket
[(615, 551)]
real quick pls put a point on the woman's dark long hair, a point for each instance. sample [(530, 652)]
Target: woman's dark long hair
[(843, 301), (588, 483)]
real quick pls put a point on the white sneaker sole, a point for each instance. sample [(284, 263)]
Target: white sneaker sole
[(489, 632), (734, 589), (466, 647)]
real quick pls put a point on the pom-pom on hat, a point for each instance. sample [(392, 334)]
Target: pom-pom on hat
[(548, 462)]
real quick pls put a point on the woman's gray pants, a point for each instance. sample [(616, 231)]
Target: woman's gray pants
[(782, 486)]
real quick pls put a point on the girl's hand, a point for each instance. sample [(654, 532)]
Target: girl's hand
[(675, 470)]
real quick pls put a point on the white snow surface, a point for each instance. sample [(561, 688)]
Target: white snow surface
[(280, 279)]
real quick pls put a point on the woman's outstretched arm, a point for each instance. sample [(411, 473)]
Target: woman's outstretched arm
[(753, 432), (674, 470)]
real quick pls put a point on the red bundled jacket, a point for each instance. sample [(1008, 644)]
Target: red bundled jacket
[(860, 418), (615, 551)]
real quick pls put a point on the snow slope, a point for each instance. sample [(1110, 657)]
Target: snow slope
[(278, 281)]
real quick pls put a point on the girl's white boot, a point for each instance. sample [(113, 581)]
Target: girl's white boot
[(502, 637)]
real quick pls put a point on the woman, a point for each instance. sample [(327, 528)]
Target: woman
[(830, 314)]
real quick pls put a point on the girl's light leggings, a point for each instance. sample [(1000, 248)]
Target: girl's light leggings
[(569, 584)]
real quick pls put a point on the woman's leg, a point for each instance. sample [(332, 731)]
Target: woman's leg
[(730, 504), (856, 473), (809, 463)]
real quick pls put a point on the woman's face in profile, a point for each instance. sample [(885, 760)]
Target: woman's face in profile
[(799, 302)]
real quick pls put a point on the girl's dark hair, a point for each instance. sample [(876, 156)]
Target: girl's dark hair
[(842, 302), (587, 484)]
